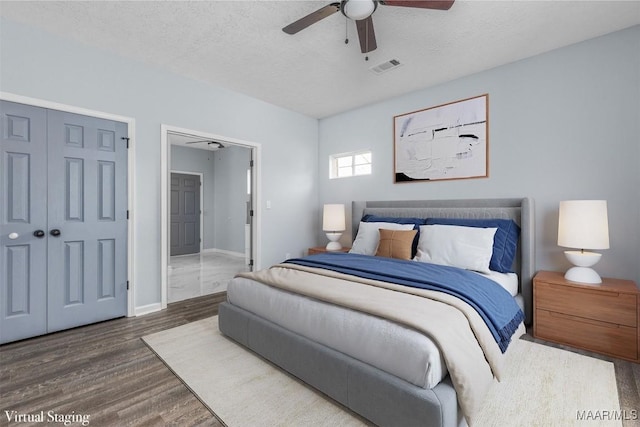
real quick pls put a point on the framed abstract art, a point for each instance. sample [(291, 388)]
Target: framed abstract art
[(449, 141)]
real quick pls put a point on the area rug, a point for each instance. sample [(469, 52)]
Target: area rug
[(542, 386)]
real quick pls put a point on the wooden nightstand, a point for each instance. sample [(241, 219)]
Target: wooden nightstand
[(321, 249), (602, 318)]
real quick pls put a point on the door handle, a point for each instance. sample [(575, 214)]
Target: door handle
[(13, 236), (55, 232), (39, 234)]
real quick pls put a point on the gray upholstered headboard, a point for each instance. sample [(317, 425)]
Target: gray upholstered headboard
[(520, 210)]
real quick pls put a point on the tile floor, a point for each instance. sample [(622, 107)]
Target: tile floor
[(200, 274)]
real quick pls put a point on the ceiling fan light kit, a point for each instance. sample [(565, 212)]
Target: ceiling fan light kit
[(361, 12), (358, 9)]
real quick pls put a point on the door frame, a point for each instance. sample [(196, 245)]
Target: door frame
[(165, 162), (131, 201), (201, 175)]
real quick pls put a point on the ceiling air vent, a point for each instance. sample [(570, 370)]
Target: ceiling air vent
[(386, 66)]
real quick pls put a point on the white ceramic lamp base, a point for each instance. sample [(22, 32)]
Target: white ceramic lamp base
[(582, 273), (333, 244)]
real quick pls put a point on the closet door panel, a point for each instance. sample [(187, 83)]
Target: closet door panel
[(87, 201), (23, 256)]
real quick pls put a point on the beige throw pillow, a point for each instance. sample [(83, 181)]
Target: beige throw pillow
[(395, 243)]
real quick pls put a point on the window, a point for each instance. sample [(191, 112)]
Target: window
[(350, 164)]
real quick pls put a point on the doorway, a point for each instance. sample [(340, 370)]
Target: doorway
[(228, 240)]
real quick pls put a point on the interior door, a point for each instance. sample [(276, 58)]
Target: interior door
[(185, 214), (63, 201), (23, 187), (87, 236)]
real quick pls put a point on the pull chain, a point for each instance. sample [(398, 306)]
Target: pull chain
[(366, 42), (346, 31)]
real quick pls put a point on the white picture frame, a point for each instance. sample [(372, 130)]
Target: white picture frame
[(448, 141)]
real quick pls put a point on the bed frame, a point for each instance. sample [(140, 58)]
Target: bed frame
[(376, 395)]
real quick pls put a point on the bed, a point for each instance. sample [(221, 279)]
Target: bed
[(399, 387)]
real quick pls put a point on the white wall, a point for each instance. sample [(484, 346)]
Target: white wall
[(562, 125), (44, 66)]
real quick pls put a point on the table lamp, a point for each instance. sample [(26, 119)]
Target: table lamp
[(583, 224), (333, 224)]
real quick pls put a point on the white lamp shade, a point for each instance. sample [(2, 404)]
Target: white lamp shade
[(359, 9), (583, 224), (333, 218)]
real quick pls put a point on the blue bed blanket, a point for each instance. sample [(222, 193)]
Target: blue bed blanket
[(495, 305)]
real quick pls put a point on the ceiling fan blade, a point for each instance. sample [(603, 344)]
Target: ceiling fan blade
[(312, 18), (422, 4), (208, 141), (366, 35)]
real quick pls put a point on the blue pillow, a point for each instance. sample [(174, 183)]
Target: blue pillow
[(417, 222), (505, 241), (396, 220)]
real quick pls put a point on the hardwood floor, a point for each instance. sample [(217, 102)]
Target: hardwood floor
[(106, 371)]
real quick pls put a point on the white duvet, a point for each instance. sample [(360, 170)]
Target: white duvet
[(466, 344), (391, 347)]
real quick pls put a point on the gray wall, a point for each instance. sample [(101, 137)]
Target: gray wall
[(231, 164), (44, 66), (563, 125)]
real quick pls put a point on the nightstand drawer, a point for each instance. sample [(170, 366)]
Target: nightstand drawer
[(322, 249), (603, 337), (609, 307)]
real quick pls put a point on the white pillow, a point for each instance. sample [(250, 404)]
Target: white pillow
[(366, 242), (457, 246)]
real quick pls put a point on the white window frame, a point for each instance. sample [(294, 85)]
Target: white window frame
[(333, 164)]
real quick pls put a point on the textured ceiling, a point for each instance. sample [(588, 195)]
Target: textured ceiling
[(240, 45)]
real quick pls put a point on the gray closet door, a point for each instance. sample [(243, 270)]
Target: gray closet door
[(185, 214), (87, 201), (23, 188), (63, 202)]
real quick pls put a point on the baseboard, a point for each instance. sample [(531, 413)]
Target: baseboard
[(147, 309), (222, 251)]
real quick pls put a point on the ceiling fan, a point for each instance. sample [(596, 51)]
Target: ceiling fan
[(214, 145), (361, 11)]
